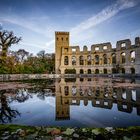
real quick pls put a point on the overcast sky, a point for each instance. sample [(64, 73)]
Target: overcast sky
[(88, 21)]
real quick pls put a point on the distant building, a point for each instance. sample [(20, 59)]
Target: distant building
[(101, 59)]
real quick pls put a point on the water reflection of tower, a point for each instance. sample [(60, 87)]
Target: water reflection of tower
[(62, 106)]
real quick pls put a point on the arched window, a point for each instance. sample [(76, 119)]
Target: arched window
[(113, 58), (132, 71), (73, 60), (123, 57), (81, 60), (97, 92), (81, 71), (105, 71), (74, 90), (89, 71), (96, 71), (97, 59), (66, 90), (123, 70), (89, 59), (105, 58), (66, 60), (132, 56)]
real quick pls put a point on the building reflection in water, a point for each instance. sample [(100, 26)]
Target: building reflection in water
[(102, 93)]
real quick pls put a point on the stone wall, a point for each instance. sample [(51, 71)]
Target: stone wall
[(14, 77)]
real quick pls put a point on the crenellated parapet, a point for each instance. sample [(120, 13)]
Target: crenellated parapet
[(61, 33)]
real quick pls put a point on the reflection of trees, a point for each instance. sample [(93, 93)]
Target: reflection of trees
[(22, 95), (44, 93), (6, 112)]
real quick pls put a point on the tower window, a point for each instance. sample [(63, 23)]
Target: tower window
[(66, 39), (57, 38), (62, 38)]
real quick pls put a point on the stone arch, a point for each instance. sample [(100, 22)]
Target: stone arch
[(96, 71), (66, 60), (81, 60), (105, 71), (89, 71), (132, 70)]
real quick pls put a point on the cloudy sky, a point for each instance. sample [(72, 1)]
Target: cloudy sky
[(88, 21)]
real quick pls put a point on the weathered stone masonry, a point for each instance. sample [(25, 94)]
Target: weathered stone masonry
[(101, 59)]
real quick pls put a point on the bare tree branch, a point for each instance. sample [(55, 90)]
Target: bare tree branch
[(6, 40)]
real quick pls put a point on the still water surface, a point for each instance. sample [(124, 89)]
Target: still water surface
[(96, 102)]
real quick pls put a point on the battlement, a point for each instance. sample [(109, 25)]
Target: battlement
[(61, 33)]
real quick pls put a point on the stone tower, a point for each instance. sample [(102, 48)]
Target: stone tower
[(61, 42)]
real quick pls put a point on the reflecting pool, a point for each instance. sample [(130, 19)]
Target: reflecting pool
[(80, 102)]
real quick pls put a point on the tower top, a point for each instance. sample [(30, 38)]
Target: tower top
[(61, 33)]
